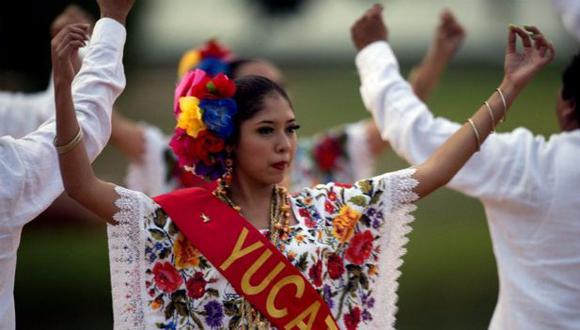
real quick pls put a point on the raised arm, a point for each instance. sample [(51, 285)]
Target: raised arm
[(448, 37), (520, 67), (78, 177)]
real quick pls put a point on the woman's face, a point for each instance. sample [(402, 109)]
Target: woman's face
[(267, 143)]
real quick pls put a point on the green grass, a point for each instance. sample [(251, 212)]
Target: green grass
[(449, 277)]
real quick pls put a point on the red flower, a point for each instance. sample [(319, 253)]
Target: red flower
[(343, 185), (315, 273), (332, 196), (335, 266), (360, 248), (213, 48), (352, 319), (205, 144), (328, 207), (166, 277), (224, 87), (304, 213), (196, 286), (326, 153)]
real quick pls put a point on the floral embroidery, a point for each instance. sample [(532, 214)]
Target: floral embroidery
[(333, 245)]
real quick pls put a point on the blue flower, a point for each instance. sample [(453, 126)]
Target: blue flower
[(214, 314), (214, 171), (170, 326), (217, 116), (327, 294), (212, 66)]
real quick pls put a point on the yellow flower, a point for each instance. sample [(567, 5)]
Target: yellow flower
[(190, 116), (343, 224), (188, 61), (299, 238), (186, 255), (373, 270)]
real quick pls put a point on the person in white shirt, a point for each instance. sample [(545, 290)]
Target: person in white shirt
[(569, 11), (30, 177), (529, 187)]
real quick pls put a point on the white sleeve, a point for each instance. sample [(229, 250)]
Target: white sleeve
[(29, 166), (569, 10), (150, 175), (414, 133), (361, 158), (22, 113)]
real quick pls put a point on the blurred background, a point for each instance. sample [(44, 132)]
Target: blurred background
[(449, 277)]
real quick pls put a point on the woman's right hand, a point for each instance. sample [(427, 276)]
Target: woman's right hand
[(521, 67)]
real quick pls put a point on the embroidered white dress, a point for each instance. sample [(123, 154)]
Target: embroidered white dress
[(348, 242)]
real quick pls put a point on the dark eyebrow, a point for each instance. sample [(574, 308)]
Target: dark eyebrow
[(272, 123)]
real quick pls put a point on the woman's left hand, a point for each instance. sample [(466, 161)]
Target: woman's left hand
[(520, 67)]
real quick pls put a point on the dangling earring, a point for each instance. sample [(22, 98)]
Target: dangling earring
[(226, 180)]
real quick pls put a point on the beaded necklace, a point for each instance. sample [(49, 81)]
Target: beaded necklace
[(279, 227)]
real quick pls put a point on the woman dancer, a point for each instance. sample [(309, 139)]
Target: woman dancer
[(247, 254)]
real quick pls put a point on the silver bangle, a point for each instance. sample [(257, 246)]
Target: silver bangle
[(490, 115), (504, 103), (70, 145), (476, 133)]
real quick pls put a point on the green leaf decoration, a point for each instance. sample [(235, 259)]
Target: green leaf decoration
[(365, 186), (212, 292), (231, 308), (234, 322), (376, 197), (181, 309), (358, 200), (160, 218), (197, 321), (172, 230), (169, 310), (157, 234), (364, 281), (302, 262)]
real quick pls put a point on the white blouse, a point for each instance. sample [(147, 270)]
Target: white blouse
[(29, 171), (529, 187)]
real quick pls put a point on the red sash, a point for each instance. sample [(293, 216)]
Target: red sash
[(248, 260)]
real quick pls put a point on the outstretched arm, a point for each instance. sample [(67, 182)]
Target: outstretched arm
[(448, 37), (78, 177), (519, 69)]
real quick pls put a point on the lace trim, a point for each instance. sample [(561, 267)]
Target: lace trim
[(126, 261), (398, 198)]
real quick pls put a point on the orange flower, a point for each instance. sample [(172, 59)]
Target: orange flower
[(343, 224), (373, 270), (186, 255), (157, 303)]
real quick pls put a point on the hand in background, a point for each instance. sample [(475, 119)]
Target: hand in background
[(521, 66), (116, 9), (369, 28), (72, 14)]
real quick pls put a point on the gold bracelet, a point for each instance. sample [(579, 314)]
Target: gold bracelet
[(475, 132), (504, 104), (491, 116), (70, 145)]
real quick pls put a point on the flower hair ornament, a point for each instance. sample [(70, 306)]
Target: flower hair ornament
[(212, 57), (204, 108)]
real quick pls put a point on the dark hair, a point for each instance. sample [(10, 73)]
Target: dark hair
[(236, 64), (571, 84), (250, 94)]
